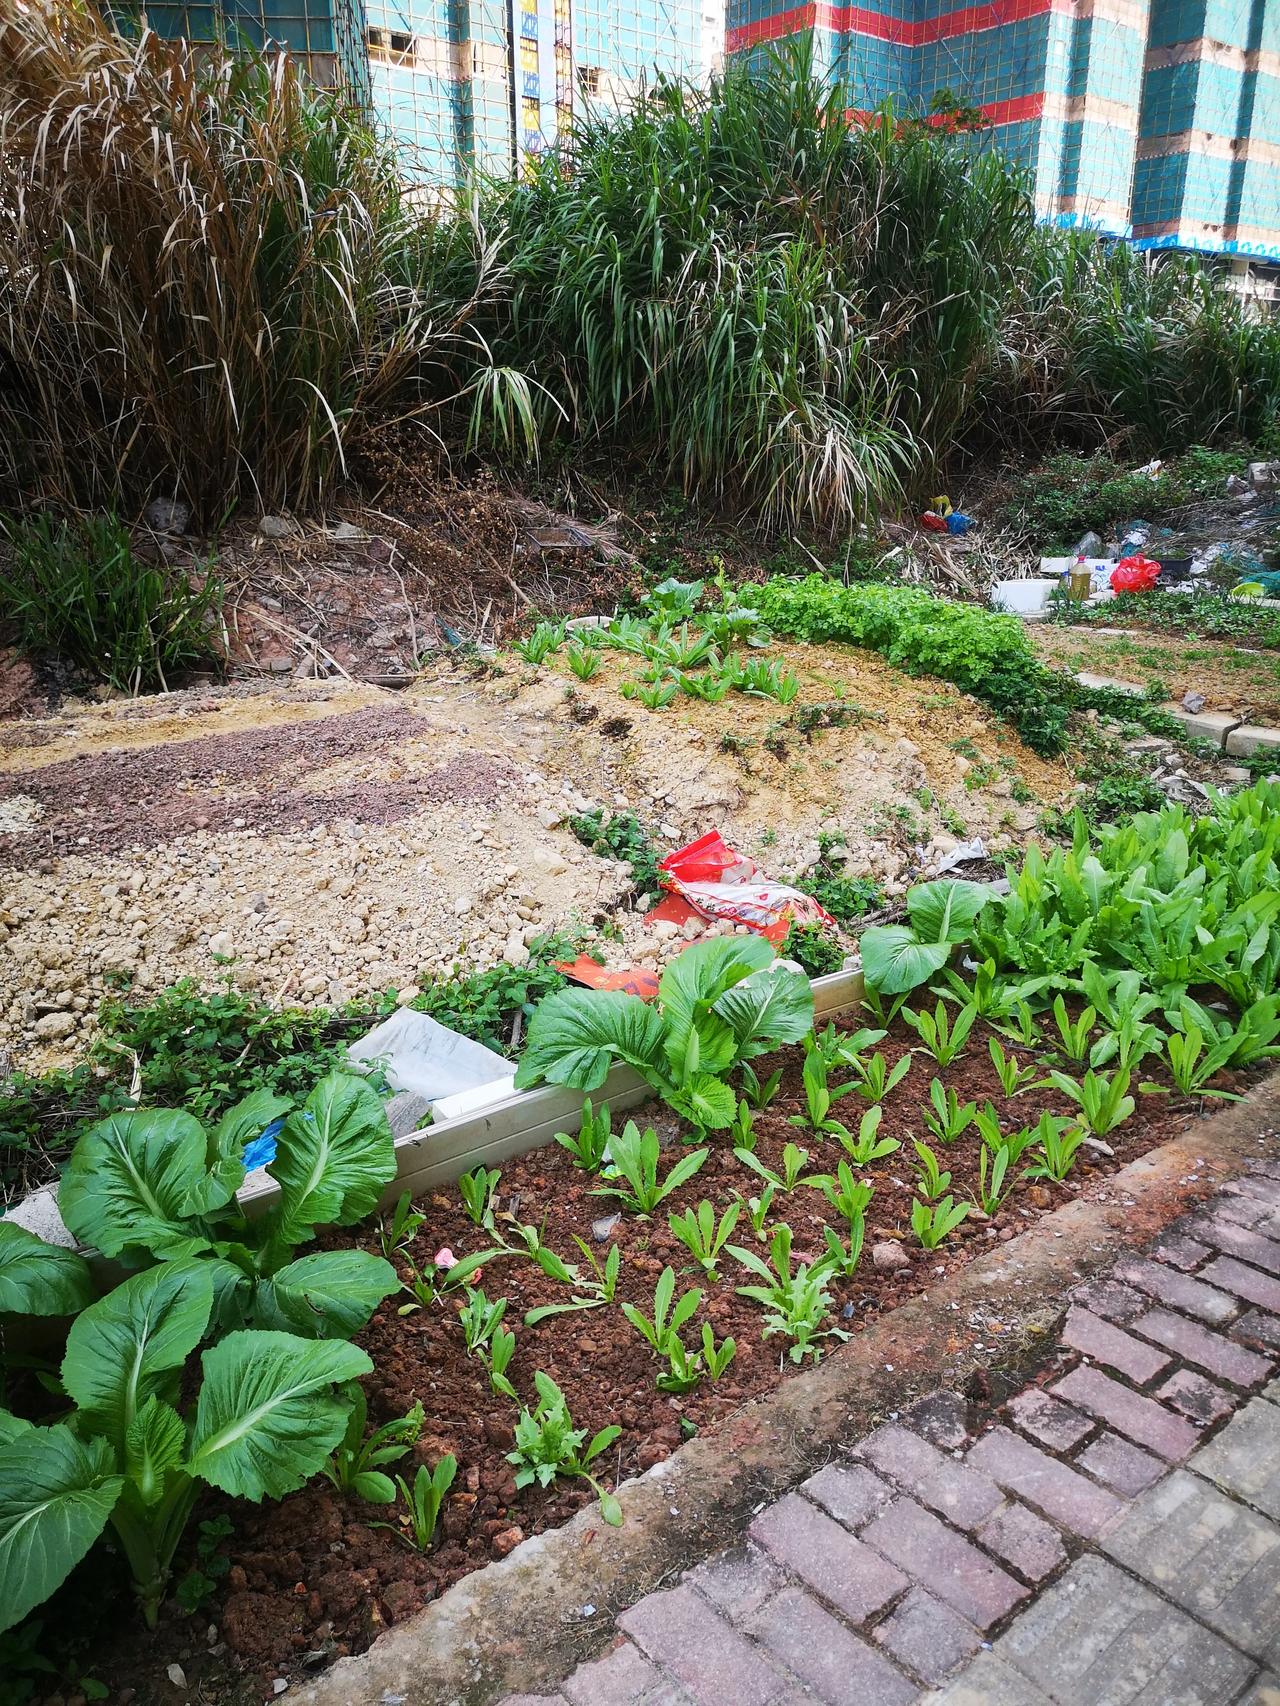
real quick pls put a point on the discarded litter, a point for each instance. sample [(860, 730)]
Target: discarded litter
[(418, 1053), (713, 881)]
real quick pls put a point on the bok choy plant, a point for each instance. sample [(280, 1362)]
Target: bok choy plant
[(152, 1185), (722, 1002)]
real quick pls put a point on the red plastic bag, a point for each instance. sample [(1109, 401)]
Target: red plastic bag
[(1135, 574), (719, 883)]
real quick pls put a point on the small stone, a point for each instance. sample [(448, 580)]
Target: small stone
[(274, 527), (888, 1257), (221, 944), (463, 904), (278, 1685), (177, 1676), (1193, 702), (602, 1229), (55, 1025), (168, 515), (506, 1541)]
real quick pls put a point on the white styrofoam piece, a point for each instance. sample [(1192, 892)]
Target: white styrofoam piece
[(417, 1053), (38, 1213)]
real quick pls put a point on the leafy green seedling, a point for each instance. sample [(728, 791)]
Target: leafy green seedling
[(583, 660), (992, 1192), (1013, 1077), (759, 1094), (946, 1118), (634, 1162), (818, 1096), (849, 1197), (797, 1300), (589, 1146), (794, 1162), (355, 1465), (932, 1223), (590, 1294), (704, 1238), (423, 1499), (1074, 1034), (663, 1326), (653, 695), (1125, 1045), (479, 1189), (868, 1146), (1192, 1065), (758, 1209), (941, 1036), (1020, 1026), (930, 1179), (742, 1133), (844, 1258), (546, 638), (547, 1444), (480, 1319), (876, 1080), (1101, 1097), (1058, 1141), (396, 1234)]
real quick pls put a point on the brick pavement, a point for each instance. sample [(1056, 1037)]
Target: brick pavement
[(1109, 1536)]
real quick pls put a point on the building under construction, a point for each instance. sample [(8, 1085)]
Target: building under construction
[(463, 83), (1157, 120)]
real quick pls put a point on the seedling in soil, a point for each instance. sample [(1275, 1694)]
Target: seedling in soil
[(1101, 1097), (758, 1209), (356, 1463), (794, 1162), (546, 638), (1126, 1045), (423, 1499), (702, 1236), (479, 1188), (1013, 1077), (942, 1037), (583, 660), (685, 1371), (818, 1097), (1074, 1035), (634, 1160), (848, 1196), (626, 634), (480, 1319), (421, 1287), (547, 1444), (931, 1180), (797, 1301), (1020, 1026), (844, 1259), (533, 1245), (685, 650), (1058, 1140), (1115, 994), (932, 1223), (589, 1146), (877, 1080), (742, 1133), (884, 1013), (843, 1048), (947, 1119), (653, 695), (759, 1094), (991, 1193), (599, 1290), (994, 995), (713, 689), (661, 1330), (1191, 1065), (200, 1582), (767, 681), (397, 1233), (868, 1146)]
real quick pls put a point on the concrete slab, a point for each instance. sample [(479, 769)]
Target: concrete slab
[(1248, 738), (1214, 726), (1244, 1459)]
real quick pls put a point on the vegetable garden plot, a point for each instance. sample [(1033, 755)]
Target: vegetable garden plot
[(563, 1322)]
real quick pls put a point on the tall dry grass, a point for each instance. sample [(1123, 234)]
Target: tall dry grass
[(211, 285)]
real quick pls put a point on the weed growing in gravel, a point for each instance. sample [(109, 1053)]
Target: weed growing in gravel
[(621, 835)]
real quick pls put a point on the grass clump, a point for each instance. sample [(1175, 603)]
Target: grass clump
[(846, 898), (76, 589), (621, 836), (211, 283)]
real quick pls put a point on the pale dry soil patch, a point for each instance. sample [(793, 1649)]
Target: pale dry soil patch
[(316, 841)]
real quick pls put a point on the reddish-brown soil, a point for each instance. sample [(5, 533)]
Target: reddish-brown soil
[(311, 1578)]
